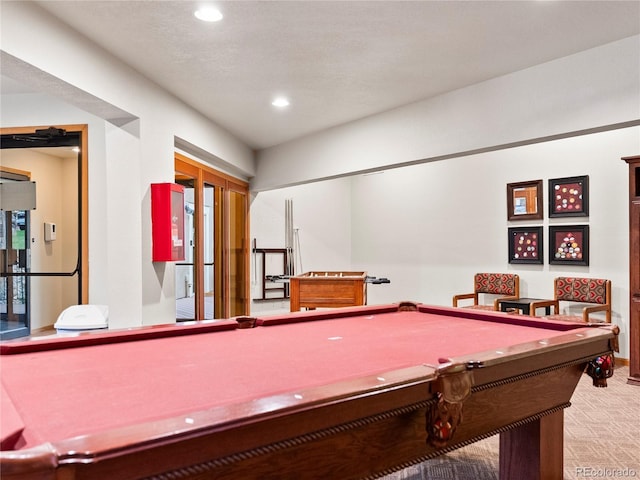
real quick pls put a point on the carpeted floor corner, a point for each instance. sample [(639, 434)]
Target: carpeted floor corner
[(602, 439)]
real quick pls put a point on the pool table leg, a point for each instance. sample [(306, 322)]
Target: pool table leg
[(534, 451)]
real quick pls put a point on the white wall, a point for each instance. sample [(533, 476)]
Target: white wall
[(429, 228)]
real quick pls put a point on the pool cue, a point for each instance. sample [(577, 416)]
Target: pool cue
[(297, 249), (287, 236), (255, 262)]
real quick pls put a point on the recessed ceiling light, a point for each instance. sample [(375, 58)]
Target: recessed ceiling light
[(208, 14), (280, 102)]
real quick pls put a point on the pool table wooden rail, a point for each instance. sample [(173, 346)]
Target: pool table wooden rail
[(362, 428)]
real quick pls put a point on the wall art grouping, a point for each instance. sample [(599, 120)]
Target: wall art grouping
[(568, 244), (568, 197)]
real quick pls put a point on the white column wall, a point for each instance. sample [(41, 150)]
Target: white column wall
[(123, 229)]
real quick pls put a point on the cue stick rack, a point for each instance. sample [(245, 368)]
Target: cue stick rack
[(274, 284)]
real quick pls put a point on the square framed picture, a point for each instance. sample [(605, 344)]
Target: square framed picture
[(525, 245), (569, 197), (524, 200), (569, 245)]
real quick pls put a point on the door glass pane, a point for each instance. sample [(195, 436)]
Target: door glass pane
[(209, 223), (185, 278), (237, 256), (14, 290)]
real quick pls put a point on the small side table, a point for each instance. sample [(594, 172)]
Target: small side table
[(524, 305)]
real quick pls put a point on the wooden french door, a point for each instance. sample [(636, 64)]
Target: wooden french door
[(238, 249), (213, 281)]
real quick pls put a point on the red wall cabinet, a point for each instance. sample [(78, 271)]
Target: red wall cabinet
[(167, 218)]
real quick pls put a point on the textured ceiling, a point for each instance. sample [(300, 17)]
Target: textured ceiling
[(336, 61)]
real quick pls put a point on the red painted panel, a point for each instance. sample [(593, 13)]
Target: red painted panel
[(167, 216)]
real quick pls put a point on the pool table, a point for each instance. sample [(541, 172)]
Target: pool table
[(349, 393)]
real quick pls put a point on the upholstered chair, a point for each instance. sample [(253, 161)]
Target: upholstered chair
[(589, 295), (498, 286)]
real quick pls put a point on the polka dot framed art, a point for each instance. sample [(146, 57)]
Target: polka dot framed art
[(525, 245), (569, 197)]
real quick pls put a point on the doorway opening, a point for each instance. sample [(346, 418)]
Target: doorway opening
[(43, 247)]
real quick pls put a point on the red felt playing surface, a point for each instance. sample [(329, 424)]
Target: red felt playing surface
[(156, 378)]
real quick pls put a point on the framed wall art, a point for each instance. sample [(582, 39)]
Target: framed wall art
[(525, 245), (569, 244), (524, 200), (569, 197)]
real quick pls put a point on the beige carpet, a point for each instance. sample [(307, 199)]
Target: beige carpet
[(602, 439)]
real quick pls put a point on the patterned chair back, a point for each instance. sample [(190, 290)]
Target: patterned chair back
[(496, 283), (586, 290)]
